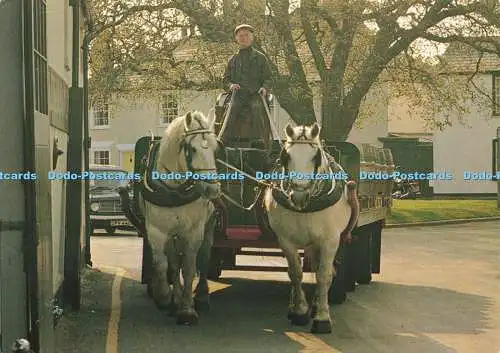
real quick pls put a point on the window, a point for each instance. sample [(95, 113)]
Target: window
[(496, 94), (100, 111), (40, 57), (101, 157), (169, 108)]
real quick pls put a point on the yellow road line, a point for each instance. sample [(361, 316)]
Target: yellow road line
[(311, 343), (114, 316)]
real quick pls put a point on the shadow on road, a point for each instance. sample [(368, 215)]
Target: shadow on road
[(250, 316), (85, 331)]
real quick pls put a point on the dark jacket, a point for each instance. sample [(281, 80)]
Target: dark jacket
[(250, 69)]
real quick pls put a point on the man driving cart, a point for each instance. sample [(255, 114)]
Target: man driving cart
[(248, 76)]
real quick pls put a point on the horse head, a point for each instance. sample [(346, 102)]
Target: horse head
[(198, 145), (302, 159)]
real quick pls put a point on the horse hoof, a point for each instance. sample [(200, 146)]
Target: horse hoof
[(201, 305), (321, 326), (300, 319), (187, 319)]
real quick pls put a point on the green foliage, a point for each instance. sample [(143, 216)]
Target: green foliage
[(335, 50)]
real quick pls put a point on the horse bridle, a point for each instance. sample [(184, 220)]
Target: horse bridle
[(188, 149), (318, 159)]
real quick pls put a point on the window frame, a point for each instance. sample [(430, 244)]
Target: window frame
[(98, 107), (495, 93), (166, 116), (96, 150)]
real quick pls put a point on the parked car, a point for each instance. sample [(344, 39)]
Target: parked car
[(105, 205), (404, 188)]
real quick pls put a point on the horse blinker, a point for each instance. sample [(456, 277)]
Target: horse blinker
[(284, 158), (317, 160)]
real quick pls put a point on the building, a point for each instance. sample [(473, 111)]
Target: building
[(466, 145), (116, 126), (36, 84)]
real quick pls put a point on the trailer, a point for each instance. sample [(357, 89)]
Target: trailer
[(240, 231)]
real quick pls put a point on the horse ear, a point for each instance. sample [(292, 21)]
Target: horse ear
[(188, 120), (315, 129), (289, 130)]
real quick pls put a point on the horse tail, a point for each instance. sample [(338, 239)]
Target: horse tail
[(352, 200)]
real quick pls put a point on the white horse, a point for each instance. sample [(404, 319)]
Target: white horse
[(319, 230), (178, 234)]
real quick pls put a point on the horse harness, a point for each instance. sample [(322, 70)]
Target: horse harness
[(157, 191), (323, 193)]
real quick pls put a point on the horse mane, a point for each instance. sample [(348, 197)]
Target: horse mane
[(304, 132), (174, 134)]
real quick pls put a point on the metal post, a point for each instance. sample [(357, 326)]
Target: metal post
[(86, 142), (30, 238), (72, 291), (498, 167)]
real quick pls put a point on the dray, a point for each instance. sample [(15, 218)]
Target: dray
[(242, 229)]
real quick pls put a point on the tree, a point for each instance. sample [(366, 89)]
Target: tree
[(352, 45)]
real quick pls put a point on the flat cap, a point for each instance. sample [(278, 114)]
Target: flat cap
[(244, 26)]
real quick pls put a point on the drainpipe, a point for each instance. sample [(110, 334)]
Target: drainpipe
[(86, 143), (72, 290), (30, 239), (497, 163)]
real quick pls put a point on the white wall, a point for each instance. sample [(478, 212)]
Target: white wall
[(467, 147), (403, 117), (131, 120), (59, 54)]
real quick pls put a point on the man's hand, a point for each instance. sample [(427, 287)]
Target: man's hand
[(234, 87), (263, 91)]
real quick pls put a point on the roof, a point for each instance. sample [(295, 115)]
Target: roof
[(418, 136), (462, 58)]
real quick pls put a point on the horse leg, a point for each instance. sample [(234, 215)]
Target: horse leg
[(187, 314), (313, 253), (162, 295), (202, 294), (175, 278), (322, 322), (298, 311)]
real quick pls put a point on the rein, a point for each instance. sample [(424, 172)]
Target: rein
[(315, 186), (187, 148)]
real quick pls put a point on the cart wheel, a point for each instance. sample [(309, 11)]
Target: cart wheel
[(149, 290), (337, 293), (215, 269), (365, 279), (170, 276), (364, 275), (110, 230)]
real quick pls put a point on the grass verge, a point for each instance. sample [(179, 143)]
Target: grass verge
[(410, 211)]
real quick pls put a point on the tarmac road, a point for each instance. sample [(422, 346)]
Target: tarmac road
[(439, 292)]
